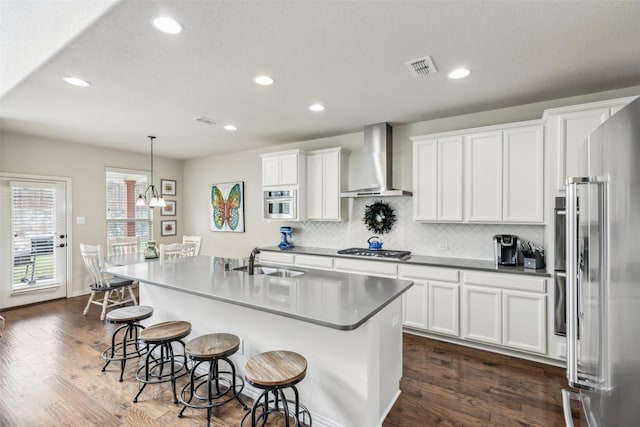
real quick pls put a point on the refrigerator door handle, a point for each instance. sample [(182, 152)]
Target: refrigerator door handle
[(573, 282), (567, 397)]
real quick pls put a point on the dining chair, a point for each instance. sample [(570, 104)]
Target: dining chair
[(123, 245), (196, 240), (176, 250), (109, 285)]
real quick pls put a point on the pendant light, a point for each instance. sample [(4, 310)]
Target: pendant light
[(151, 194)]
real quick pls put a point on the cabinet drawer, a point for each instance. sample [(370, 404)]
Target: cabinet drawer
[(277, 257), (314, 261), (506, 281), (428, 273), (369, 268)]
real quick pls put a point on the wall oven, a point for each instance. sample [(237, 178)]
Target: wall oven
[(280, 203)]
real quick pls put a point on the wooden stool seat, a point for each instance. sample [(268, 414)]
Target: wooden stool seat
[(218, 386), (161, 361), (129, 314), (212, 346), (166, 331), (273, 372), (275, 368), (128, 345)]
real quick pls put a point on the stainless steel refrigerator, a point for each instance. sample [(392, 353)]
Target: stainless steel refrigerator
[(603, 275)]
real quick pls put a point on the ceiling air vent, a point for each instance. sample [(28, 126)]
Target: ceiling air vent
[(421, 66), (205, 120)]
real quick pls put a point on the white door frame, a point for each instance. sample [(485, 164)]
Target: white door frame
[(69, 216)]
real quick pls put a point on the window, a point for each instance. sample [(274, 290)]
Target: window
[(124, 218)]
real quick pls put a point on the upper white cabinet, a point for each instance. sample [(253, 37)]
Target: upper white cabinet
[(486, 175), (437, 179), (282, 168), (523, 174), (569, 127), (326, 177)]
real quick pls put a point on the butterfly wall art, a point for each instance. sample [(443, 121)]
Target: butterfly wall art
[(227, 207)]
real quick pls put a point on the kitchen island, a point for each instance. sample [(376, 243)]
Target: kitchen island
[(349, 327)]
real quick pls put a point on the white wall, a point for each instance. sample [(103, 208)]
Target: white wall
[(85, 165)]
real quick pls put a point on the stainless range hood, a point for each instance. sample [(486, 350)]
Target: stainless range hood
[(377, 164)]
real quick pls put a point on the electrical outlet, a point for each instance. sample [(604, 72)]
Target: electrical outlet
[(443, 246), (394, 321)]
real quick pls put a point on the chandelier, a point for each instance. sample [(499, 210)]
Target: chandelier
[(151, 194)]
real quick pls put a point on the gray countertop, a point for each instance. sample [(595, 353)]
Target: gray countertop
[(336, 300), (458, 263)]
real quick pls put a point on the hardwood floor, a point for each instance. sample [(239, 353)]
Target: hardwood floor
[(50, 374)]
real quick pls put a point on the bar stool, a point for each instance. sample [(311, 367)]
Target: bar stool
[(211, 349), (273, 372), (129, 347), (160, 337)]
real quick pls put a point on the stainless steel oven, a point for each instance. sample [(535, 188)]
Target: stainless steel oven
[(280, 203)]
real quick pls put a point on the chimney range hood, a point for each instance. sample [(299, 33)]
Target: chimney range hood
[(377, 164)]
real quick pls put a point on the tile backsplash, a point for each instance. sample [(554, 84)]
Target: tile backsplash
[(461, 240)]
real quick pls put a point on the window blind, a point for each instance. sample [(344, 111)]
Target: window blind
[(124, 218), (33, 231)]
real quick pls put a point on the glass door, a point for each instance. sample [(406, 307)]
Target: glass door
[(34, 258)]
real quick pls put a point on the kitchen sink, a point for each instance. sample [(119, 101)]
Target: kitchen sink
[(271, 271)]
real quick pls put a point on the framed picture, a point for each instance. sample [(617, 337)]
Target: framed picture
[(168, 187), (168, 228), (226, 207), (169, 209)]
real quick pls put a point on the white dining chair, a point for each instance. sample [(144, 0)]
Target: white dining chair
[(196, 240), (112, 287), (123, 245), (176, 250)]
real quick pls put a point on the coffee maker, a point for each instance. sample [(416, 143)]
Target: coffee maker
[(506, 249)]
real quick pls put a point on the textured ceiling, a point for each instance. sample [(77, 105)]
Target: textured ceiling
[(348, 55)]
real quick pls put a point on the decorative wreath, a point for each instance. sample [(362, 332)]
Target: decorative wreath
[(379, 217)]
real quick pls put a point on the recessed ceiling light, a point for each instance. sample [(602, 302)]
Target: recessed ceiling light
[(264, 80), (459, 73), (76, 81), (167, 25), (316, 107), (230, 127)]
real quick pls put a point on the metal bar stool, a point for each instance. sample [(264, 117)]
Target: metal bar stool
[(211, 349), (129, 346), (159, 338), (275, 371)]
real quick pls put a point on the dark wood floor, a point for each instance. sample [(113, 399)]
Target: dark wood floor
[(50, 376)]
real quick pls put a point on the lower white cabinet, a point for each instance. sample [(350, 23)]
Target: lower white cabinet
[(443, 308), (431, 305), (505, 310), (524, 323), (482, 314)]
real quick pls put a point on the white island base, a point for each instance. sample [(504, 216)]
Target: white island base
[(353, 376)]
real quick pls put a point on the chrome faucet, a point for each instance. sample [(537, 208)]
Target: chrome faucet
[(252, 260)]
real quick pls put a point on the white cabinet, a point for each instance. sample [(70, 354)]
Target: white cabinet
[(524, 325), (523, 175), (414, 303), (498, 171), (437, 179), (570, 126), (484, 176), (505, 179), (282, 168), (505, 310), (482, 314), (431, 304), (326, 178), (314, 261), (276, 257)]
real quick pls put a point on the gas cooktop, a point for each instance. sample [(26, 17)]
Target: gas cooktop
[(375, 253)]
